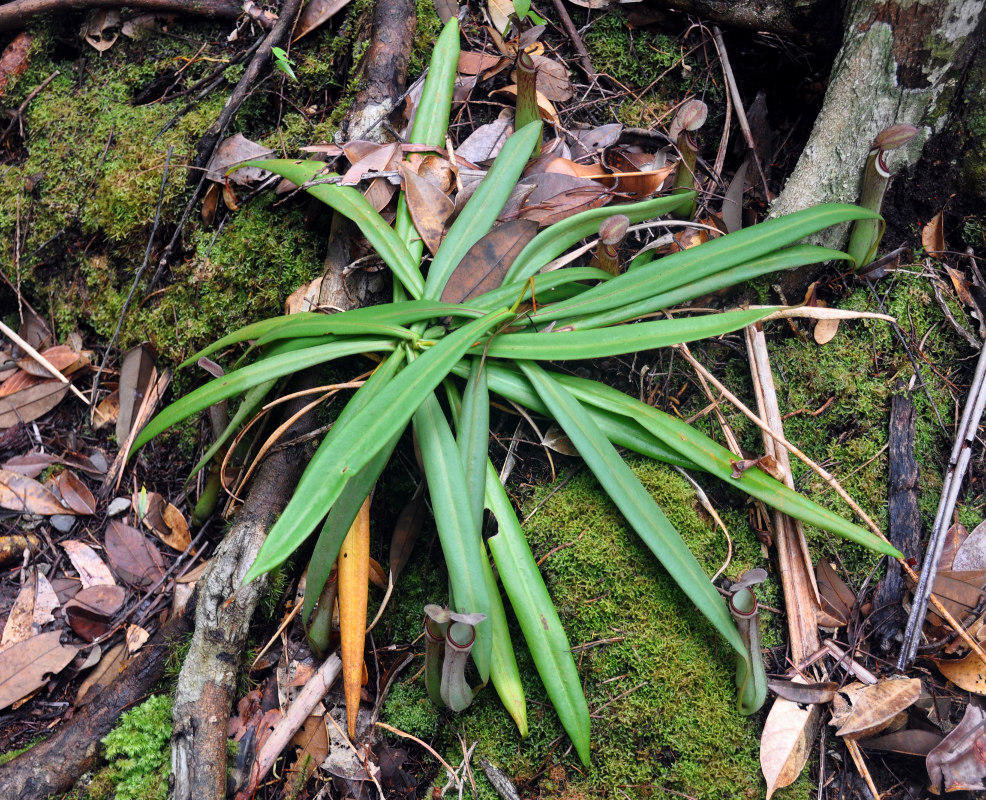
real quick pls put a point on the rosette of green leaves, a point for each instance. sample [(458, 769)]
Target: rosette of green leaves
[(425, 346)]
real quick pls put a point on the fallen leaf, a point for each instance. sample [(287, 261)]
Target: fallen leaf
[(788, 734), (477, 63), (316, 13), (235, 150), (955, 537), (15, 58), (837, 599), (31, 610), (872, 708), (379, 193), (910, 742), (556, 439), (132, 555), (486, 141), (135, 378), (547, 110), (31, 402), (971, 553), (210, 205), (25, 667), (376, 158), (430, 207), (92, 571), (104, 674), (177, 537), (825, 330), (107, 411), (732, 202), (136, 637), (311, 743), (556, 197), (638, 175), (446, 10), (26, 495), (958, 763), (500, 12), (804, 693), (967, 673), (598, 4), (75, 494), (90, 612), (61, 357), (551, 79), (959, 591), (933, 236), (19, 381), (97, 29), (30, 464), (406, 531), (485, 264)]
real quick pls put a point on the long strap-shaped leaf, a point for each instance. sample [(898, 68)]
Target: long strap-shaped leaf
[(348, 448), (568, 345), (461, 538), (351, 204), (680, 286), (538, 618), (544, 284), (483, 207), (716, 459), (635, 503), (473, 438), (713, 256), (242, 379), (556, 239)]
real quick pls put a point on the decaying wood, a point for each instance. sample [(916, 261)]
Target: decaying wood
[(207, 682), (53, 766), (905, 521), (384, 70), (17, 14), (794, 561)]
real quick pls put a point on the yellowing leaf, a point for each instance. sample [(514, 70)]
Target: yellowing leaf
[(354, 576), (967, 673)]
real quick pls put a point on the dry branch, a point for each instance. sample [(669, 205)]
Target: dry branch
[(17, 14)]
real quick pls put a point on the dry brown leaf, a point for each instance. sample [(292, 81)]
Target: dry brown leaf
[(177, 536), (446, 9), (92, 571), (959, 591), (26, 495), (485, 264), (547, 110), (825, 330), (107, 411), (486, 141), (971, 553), (874, 707), (556, 439), (967, 673), (135, 379), (15, 58), (104, 674), (910, 742), (933, 236), (99, 29), (136, 637), (406, 531), (378, 158), (90, 612), (210, 204), (478, 63), (75, 494), (235, 150), (17, 382), (311, 743), (379, 193), (958, 763), (556, 197), (377, 575), (30, 464), (955, 537), (31, 402), (61, 357), (25, 667), (316, 13), (132, 555), (788, 734), (551, 77), (804, 693), (31, 610), (354, 574), (629, 167), (837, 599), (163, 519), (430, 207), (500, 12)]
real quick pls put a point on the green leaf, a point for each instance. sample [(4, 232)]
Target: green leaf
[(544, 284), (351, 204), (562, 345), (716, 459), (681, 285), (503, 666), (460, 535), (473, 438), (556, 239), (635, 503), (350, 446), (538, 618), (709, 258), (483, 207), (242, 379)]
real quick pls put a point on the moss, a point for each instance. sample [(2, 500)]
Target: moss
[(429, 26), (657, 677)]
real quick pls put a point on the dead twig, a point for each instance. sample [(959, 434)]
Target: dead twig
[(16, 14), (577, 42), (18, 114)]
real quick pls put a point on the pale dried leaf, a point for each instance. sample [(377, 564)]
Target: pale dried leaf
[(804, 693), (972, 553), (31, 402), (107, 411), (446, 9), (499, 12), (874, 707), (61, 357), (30, 464), (91, 568), (825, 330), (788, 735), (135, 381), (316, 13), (545, 106), (29, 612), (136, 637), (485, 142), (955, 537), (25, 667), (98, 29), (967, 673), (177, 535), (235, 150), (958, 763)]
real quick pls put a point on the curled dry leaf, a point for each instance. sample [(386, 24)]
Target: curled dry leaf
[(499, 13), (26, 495), (556, 439), (786, 741), (837, 599), (967, 673), (90, 612), (552, 79), (107, 411), (873, 708), (958, 763), (235, 150), (163, 519), (132, 555), (955, 537), (430, 207), (485, 264), (136, 637), (25, 667), (825, 330), (92, 571), (479, 63), (316, 13), (30, 464), (61, 357)]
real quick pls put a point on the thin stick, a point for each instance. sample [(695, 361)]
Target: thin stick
[(415, 739), (44, 362), (943, 612), (958, 463), (577, 42), (27, 101), (738, 101), (857, 757)]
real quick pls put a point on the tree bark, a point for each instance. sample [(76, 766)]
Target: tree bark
[(900, 62), (15, 15)]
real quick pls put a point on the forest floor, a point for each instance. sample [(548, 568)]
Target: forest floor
[(94, 177)]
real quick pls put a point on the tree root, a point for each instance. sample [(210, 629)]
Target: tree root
[(15, 15)]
